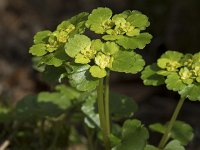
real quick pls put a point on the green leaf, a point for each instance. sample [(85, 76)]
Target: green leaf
[(56, 59), (150, 76), (114, 140), (97, 19), (97, 72), (112, 37), (81, 17), (170, 60), (173, 82), (38, 50), (63, 25), (121, 106), (139, 41), (138, 20), (81, 59), (191, 92), (74, 25), (157, 127), (151, 147), (196, 58), (128, 62), (97, 45), (70, 92), (81, 79), (79, 22), (163, 72), (174, 145), (134, 136), (30, 109), (89, 109), (110, 48), (50, 59), (122, 15), (76, 44), (182, 132), (62, 98), (46, 104), (42, 37), (37, 65)]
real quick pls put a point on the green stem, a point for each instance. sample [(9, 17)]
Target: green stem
[(101, 109), (165, 137), (107, 112)]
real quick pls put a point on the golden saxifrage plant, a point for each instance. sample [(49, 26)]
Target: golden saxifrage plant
[(87, 63)]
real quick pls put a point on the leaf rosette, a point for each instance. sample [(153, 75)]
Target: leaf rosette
[(48, 45), (124, 28), (179, 72), (70, 45)]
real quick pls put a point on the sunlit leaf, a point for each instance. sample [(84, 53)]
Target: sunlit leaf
[(127, 61), (97, 19), (192, 92), (76, 44), (97, 72), (139, 41), (38, 50)]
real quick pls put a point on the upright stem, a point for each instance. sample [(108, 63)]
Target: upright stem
[(102, 117), (107, 112), (165, 137)]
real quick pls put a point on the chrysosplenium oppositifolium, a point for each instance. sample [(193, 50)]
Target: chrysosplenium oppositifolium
[(85, 59), (179, 72)]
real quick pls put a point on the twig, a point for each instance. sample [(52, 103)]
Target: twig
[(5, 144)]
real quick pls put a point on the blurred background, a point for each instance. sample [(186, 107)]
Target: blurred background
[(174, 25)]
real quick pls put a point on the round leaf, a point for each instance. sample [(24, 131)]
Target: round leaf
[(76, 44), (150, 76), (81, 79), (38, 50), (192, 92), (174, 82), (97, 72), (97, 18), (127, 61), (139, 41), (174, 145)]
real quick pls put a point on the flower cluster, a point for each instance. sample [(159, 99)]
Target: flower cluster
[(128, 23), (94, 52), (69, 47), (187, 67), (47, 41), (178, 71)]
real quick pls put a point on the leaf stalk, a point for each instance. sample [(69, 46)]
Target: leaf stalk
[(103, 108), (166, 135)]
